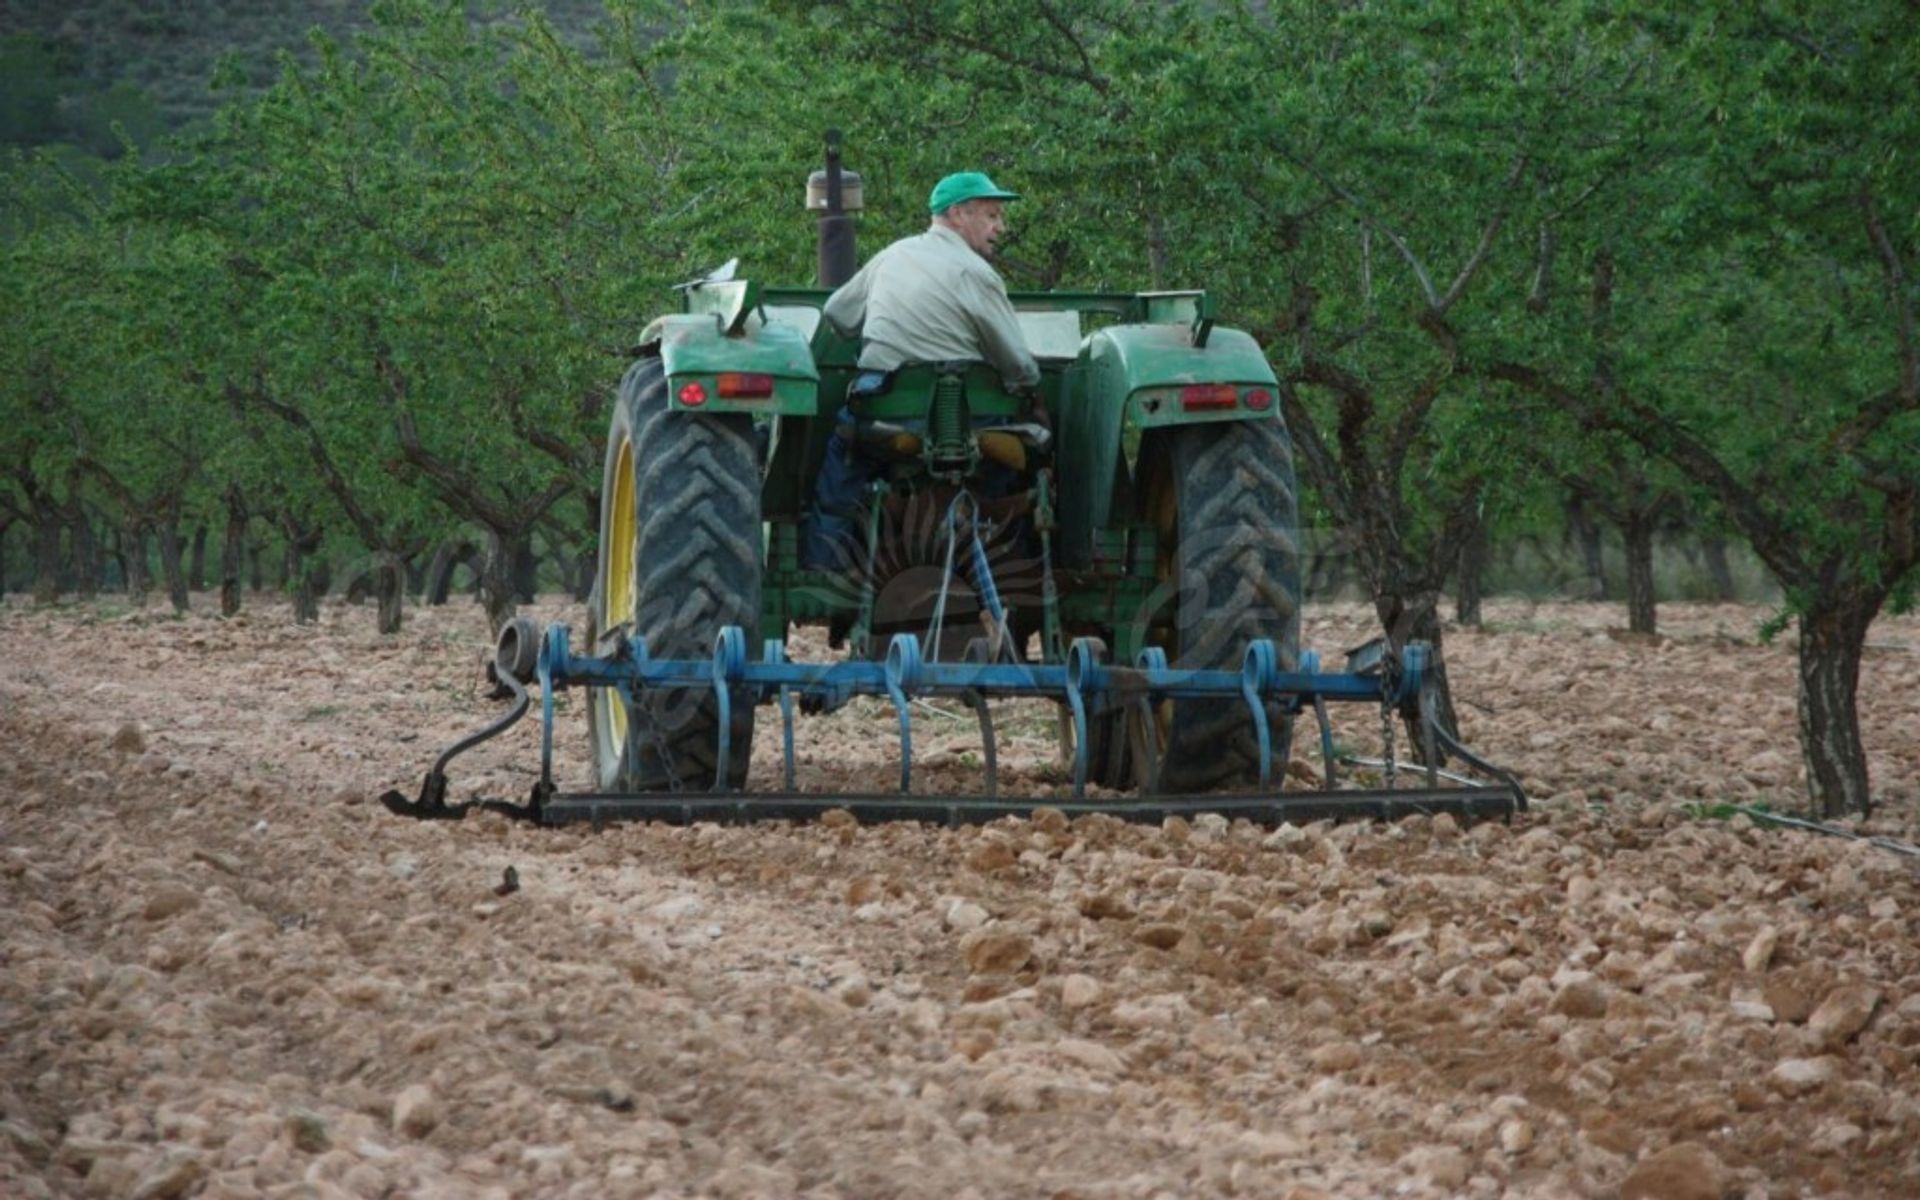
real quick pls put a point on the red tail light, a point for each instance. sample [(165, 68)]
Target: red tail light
[(1209, 397), (737, 386), (1259, 400), (694, 394)]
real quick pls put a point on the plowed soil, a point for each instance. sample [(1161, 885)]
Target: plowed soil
[(226, 971)]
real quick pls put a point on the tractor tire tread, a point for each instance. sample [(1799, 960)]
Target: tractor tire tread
[(697, 568), (1239, 572)]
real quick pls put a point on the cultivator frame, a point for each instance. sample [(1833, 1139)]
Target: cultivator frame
[(1400, 685)]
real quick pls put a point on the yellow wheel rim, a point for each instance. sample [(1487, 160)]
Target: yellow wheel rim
[(616, 595)]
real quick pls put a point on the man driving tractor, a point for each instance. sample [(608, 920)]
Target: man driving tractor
[(934, 297), (929, 298)]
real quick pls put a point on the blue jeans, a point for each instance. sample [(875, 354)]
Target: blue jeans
[(832, 538)]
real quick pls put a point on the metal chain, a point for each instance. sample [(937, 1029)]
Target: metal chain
[(644, 715), (1387, 754)]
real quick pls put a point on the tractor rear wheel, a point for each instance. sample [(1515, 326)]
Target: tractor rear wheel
[(1229, 527), (679, 559)]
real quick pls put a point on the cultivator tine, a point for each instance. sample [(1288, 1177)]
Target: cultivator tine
[(554, 648), (1326, 742), (1310, 664), (1084, 662), (729, 667), (979, 703), (903, 672), (775, 651), (981, 651), (1481, 765), (1145, 734), (1256, 678)]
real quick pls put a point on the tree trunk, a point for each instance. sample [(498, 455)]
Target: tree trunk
[(197, 568), (1832, 635), (307, 584), (1327, 571), (233, 548), (133, 540), (1471, 576), (576, 570), (449, 557), (1719, 570), (113, 567), (172, 568), (588, 567), (256, 569), (526, 570), (389, 590), (1410, 614), (307, 581), (1586, 536), (84, 550), (46, 556), (498, 595), (1637, 531)]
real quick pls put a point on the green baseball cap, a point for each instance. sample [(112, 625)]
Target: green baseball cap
[(965, 185)]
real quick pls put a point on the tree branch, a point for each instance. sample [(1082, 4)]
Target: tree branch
[(1770, 537), (1898, 294), (1487, 235), (455, 487), (330, 473), (1322, 466), (1349, 197), (1541, 293), (927, 35)]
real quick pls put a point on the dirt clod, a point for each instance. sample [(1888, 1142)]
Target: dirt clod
[(996, 952), (1683, 1171)]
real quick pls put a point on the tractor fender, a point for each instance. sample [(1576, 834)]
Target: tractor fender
[(711, 370), (1129, 383)]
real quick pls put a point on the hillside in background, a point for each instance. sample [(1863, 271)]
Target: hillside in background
[(70, 69)]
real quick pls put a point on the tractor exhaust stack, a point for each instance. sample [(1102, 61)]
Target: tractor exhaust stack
[(836, 194)]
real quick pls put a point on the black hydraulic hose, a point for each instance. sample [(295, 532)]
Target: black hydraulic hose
[(1821, 827), (432, 803), (521, 702)]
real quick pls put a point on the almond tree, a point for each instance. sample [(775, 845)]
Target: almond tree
[(1774, 354), (438, 239)]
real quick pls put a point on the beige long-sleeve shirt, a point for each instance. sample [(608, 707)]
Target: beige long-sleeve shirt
[(930, 298)]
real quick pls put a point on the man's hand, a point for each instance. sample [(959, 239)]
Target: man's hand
[(1036, 410)]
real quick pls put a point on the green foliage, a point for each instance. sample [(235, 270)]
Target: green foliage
[(455, 214), (45, 102)]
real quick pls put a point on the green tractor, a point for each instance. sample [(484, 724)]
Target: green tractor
[(1143, 496), (1121, 540)]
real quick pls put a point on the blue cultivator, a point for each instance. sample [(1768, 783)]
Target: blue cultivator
[(1083, 686)]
